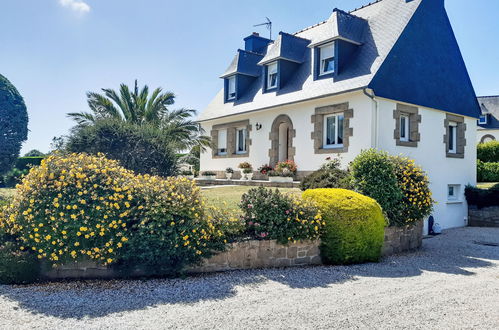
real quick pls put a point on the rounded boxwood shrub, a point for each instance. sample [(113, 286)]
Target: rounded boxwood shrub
[(269, 214), (83, 207), (354, 226)]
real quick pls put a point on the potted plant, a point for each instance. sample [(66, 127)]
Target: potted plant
[(208, 175), (265, 169), (229, 171), (187, 174), (243, 166), (248, 173), (284, 172)]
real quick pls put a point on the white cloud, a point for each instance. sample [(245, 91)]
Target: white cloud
[(76, 5)]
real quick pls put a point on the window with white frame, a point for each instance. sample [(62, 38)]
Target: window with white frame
[(241, 147), (326, 54), (483, 120), (231, 84), (222, 142), (404, 128), (272, 75), (333, 131), (453, 191), (452, 143)]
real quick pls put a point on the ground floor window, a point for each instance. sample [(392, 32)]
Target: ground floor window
[(222, 142), (333, 131), (241, 147), (404, 127), (453, 191)]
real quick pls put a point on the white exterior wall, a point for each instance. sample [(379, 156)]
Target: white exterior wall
[(430, 154), (482, 132), (300, 115)]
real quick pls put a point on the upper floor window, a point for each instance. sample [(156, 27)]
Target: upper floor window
[(231, 85), (404, 128), (241, 146), (483, 120), (222, 142), (333, 131), (326, 59), (452, 138), (272, 75)]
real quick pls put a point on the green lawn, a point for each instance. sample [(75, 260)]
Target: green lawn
[(486, 185), (229, 197), (6, 192)]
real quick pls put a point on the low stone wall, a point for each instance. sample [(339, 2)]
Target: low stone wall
[(262, 254), (250, 255), (402, 239), (484, 217), (252, 183)]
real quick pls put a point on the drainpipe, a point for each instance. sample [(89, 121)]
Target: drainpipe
[(376, 115)]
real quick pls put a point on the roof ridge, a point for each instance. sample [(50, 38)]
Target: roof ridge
[(347, 12)]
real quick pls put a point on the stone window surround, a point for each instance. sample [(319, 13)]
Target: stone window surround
[(414, 121), (460, 138), (274, 139), (231, 139), (318, 121)]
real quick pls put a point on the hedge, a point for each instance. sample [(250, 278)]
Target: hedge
[(487, 172), (488, 152), (482, 197), (354, 226)]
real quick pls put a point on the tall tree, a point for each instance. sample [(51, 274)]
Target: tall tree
[(139, 107), (13, 124)]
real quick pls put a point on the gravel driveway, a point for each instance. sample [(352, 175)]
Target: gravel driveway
[(453, 282)]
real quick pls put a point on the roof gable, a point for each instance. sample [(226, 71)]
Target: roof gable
[(425, 66), (490, 106)]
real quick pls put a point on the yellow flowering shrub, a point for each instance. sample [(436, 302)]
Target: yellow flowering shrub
[(83, 207), (417, 202), (354, 226)]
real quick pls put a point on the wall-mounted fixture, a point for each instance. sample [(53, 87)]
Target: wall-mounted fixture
[(258, 126)]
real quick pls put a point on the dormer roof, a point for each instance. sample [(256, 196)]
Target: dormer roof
[(343, 26), (245, 62), (286, 47)]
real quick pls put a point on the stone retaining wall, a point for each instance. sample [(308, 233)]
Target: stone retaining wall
[(484, 217), (262, 254), (252, 254), (402, 239)]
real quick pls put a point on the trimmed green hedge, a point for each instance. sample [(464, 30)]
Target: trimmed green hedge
[(488, 152), (487, 172), (482, 197), (354, 230)]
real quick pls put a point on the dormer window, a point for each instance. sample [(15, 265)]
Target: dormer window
[(231, 88), (483, 120), (272, 75), (326, 59)]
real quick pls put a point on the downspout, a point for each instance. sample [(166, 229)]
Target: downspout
[(376, 115)]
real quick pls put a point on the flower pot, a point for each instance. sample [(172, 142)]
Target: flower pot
[(228, 175), (248, 176), (281, 179)]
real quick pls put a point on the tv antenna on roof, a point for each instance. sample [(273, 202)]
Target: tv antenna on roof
[(268, 24)]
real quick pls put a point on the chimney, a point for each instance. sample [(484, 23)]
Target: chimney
[(256, 44)]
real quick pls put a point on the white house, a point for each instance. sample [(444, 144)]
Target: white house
[(488, 123), (389, 75)]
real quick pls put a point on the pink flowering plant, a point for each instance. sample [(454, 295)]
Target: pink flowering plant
[(265, 169), (269, 215)]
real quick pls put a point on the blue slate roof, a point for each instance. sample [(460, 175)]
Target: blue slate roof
[(407, 53), (287, 47), (344, 26), (245, 62), (490, 106)]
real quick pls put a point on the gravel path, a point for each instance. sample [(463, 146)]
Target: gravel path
[(452, 283)]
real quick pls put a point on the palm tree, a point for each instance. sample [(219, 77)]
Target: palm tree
[(139, 108)]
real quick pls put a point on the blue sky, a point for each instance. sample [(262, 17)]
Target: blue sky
[(54, 51)]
